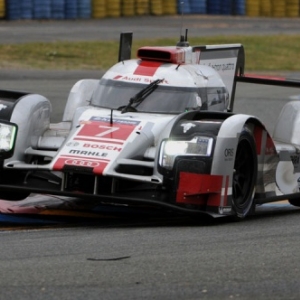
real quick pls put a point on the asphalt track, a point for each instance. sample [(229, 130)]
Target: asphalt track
[(150, 258)]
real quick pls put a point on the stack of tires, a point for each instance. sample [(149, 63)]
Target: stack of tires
[(156, 7), (292, 8), (183, 7), (198, 6), (128, 8), (98, 9), (169, 7), (26, 9), (71, 9), (253, 8), (58, 9), (142, 7), (278, 8), (84, 10), (2, 9), (13, 10), (266, 8), (239, 7), (214, 7), (42, 9), (113, 8)]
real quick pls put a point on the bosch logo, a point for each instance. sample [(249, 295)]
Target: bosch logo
[(229, 152), (81, 163)]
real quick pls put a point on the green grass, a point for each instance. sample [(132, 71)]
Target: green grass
[(263, 53)]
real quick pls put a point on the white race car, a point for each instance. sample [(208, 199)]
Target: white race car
[(156, 131)]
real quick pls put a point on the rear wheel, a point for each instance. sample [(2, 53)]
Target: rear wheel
[(244, 176), (294, 202)]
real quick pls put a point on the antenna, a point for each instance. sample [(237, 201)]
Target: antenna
[(183, 39), (181, 7)]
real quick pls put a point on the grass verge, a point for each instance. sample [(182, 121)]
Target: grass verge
[(263, 53)]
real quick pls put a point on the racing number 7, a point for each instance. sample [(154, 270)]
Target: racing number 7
[(108, 130)]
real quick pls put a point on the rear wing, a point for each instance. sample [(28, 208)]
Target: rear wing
[(267, 80)]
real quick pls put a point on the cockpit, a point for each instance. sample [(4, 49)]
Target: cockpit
[(114, 94)]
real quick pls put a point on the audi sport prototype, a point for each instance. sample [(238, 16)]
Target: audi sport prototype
[(156, 132)]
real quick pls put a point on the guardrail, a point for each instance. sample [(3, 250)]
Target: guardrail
[(87, 9)]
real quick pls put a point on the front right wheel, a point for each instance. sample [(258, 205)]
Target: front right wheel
[(244, 175)]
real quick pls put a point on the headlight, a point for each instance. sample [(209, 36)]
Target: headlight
[(198, 146), (8, 133)]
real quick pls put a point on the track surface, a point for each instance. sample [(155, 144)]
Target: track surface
[(150, 258)]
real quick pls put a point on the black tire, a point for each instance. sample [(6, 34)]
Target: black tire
[(13, 196), (294, 202), (244, 176)]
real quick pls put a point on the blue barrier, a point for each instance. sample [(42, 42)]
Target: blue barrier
[(13, 10), (42, 9), (26, 9), (58, 9), (183, 7), (71, 11), (239, 7), (198, 6), (84, 9), (214, 7), (227, 7)]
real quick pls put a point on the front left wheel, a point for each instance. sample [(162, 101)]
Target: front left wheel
[(244, 175)]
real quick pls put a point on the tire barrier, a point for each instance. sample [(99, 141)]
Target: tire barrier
[(85, 9), (113, 8), (58, 9), (13, 10), (2, 9), (239, 7), (278, 8), (253, 8), (128, 8), (71, 9), (266, 8), (169, 7), (26, 9), (41, 9), (227, 7), (198, 6), (292, 8), (142, 7), (99, 9), (214, 7), (156, 7), (183, 7)]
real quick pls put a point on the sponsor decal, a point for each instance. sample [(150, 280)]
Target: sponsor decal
[(229, 154), (102, 146), (82, 163), (87, 153), (222, 67), (187, 127), (2, 106)]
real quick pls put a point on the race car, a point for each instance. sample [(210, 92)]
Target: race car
[(157, 132)]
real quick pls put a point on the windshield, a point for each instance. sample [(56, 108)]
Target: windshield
[(165, 99)]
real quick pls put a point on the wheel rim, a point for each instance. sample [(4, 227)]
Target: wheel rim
[(243, 174)]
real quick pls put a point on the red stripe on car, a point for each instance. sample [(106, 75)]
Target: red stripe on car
[(147, 68)]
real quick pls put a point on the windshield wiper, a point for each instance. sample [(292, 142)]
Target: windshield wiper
[(140, 96)]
